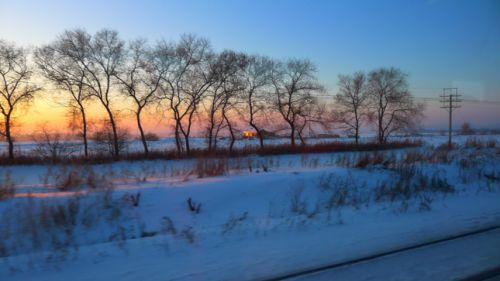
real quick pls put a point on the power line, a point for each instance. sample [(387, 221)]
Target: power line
[(450, 101), (431, 99), (462, 100)]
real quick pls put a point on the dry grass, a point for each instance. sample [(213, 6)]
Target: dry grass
[(278, 149), (210, 167), (411, 183)]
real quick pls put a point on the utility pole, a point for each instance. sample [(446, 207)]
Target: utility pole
[(450, 101)]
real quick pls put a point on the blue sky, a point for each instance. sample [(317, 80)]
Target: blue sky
[(438, 43)]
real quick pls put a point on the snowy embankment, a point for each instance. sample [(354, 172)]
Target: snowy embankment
[(249, 218)]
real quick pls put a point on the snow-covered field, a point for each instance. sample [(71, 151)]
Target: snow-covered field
[(249, 218)]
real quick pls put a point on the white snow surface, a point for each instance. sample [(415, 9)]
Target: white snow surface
[(444, 261), (264, 217)]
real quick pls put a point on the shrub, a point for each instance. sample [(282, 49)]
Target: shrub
[(152, 137), (132, 199), (411, 183), (52, 146), (393, 190), (7, 186), (147, 233), (194, 207), (474, 143), (210, 167), (233, 222), (491, 143), (412, 157), (167, 226), (466, 129), (374, 159), (325, 181), (440, 184), (187, 233), (68, 180), (492, 176), (61, 215), (104, 140), (298, 205), (425, 203)]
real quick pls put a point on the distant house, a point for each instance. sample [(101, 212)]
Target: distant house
[(253, 134), (249, 134)]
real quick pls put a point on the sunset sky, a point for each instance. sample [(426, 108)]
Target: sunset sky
[(438, 43)]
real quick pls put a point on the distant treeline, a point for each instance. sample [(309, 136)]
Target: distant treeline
[(189, 83)]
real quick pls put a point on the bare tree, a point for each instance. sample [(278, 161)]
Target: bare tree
[(184, 87), (257, 92), (16, 87), (214, 101), (141, 75), (295, 84), (233, 89), (392, 104), (104, 57), (223, 95), (99, 57), (466, 129), (351, 101), (56, 61)]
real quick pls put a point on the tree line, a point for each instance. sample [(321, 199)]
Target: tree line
[(190, 83)]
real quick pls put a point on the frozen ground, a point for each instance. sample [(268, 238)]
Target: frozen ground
[(258, 217)]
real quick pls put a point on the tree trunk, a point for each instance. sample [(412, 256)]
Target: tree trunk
[(141, 131), (259, 134), (261, 139), (84, 132), (356, 129), (302, 141), (8, 136), (357, 134), (188, 130), (380, 130), (185, 134), (188, 149), (233, 137), (210, 133), (292, 136), (217, 131), (177, 135), (116, 146), (178, 143)]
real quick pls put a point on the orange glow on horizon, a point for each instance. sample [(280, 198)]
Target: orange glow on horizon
[(46, 111)]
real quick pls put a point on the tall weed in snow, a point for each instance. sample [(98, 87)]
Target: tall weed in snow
[(298, 204), (210, 167), (411, 183), (233, 222), (7, 186)]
